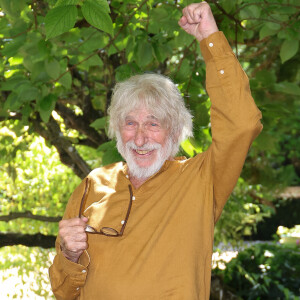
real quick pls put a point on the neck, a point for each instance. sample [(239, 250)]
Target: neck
[(137, 182)]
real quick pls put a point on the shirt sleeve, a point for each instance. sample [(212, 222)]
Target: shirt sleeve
[(67, 277), (235, 119)]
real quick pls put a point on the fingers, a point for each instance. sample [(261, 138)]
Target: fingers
[(183, 21), (73, 238), (195, 11), (198, 20)]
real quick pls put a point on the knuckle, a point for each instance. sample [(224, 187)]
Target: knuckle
[(84, 238), (61, 223)]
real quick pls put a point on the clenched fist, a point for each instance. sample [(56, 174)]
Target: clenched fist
[(198, 20), (73, 238)]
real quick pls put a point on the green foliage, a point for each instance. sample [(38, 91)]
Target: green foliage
[(96, 14), (264, 271), (30, 267), (34, 180), (59, 20)]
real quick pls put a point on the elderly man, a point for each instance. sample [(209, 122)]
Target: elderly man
[(144, 229)]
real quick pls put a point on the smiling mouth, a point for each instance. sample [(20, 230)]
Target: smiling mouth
[(143, 152)]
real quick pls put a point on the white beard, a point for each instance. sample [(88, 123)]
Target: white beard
[(163, 153)]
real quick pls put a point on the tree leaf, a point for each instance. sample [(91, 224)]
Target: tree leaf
[(66, 2), (66, 80), (11, 48), (123, 72), (273, 25), (13, 102), (97, 16), (103, 4), (288, 49), (12, 83), (27, 92), (99, 123), (288, 88), (46, 106), (111, 156), (52, 68), (266, 31), (144, 53), (59, 20)]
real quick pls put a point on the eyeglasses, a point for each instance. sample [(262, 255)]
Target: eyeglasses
[(107, 231)]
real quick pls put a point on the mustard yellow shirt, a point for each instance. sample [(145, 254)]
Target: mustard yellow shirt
[(166, 249)]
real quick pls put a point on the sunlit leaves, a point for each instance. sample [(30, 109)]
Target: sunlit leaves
[(59, 20), (12, 7)]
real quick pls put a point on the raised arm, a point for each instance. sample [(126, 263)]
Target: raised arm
[(235, 119)]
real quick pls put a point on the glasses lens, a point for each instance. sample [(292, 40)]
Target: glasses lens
[(109, 231), (89, 228)]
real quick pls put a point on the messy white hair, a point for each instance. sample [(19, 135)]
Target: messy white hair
[(159, 95)]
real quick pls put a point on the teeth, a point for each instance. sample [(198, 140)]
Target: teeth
[(142, 151)]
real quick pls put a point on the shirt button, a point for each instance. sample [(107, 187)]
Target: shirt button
[(133, 198), (122, 222), (77, 289), (83, 271), (210, 44), (222, 72)]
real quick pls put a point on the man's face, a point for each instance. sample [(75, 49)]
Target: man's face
[(144, 143)]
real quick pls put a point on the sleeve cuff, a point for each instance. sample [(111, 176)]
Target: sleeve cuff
[(215, 45), (75, 269)]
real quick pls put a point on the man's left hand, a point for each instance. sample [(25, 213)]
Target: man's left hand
[(198, 20)]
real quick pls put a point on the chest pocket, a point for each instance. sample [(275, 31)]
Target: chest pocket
[(109, 211)]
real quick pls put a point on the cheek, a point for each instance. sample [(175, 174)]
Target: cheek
[(161, 138), (126, 136)]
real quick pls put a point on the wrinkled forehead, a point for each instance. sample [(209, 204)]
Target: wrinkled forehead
[(141, 114)]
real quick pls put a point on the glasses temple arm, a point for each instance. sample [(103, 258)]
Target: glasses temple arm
[(83, 196)]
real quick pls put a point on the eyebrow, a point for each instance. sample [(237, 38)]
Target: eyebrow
[(149, 117)]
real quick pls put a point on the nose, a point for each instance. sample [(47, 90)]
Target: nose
[(141, 137)]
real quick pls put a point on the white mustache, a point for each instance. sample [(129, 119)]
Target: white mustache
[(146, 147)]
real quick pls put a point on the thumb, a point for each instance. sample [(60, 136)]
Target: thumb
[(84, 219), (182, 22)]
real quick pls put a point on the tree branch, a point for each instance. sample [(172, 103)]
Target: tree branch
[(29, 240), (80, 124), (68, 154), (28, 215), (238, 22)]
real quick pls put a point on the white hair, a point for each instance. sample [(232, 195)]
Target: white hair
[(159, 95)]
